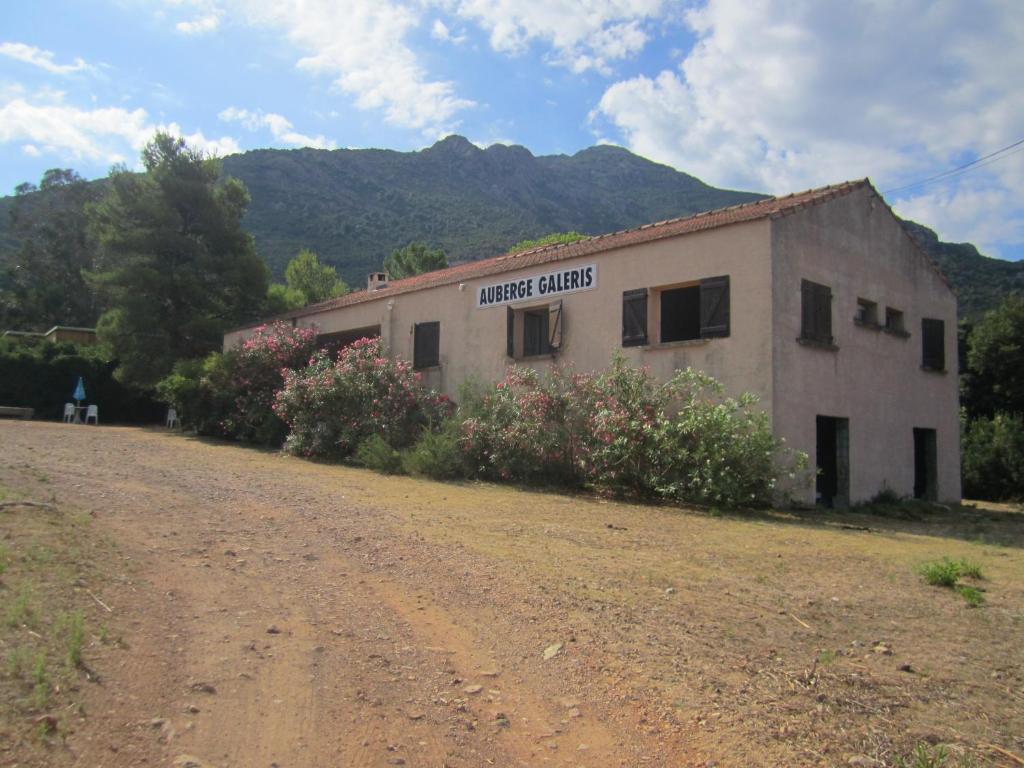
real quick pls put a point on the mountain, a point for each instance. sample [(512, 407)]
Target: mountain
[(353, 207)]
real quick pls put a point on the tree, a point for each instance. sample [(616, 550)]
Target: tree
[(414, 259), (176, 269), (42, 284), (315, 281), (555, 238), (994, 380)]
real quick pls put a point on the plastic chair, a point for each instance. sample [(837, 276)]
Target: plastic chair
[(172, 418), (69, 412), (92, 412)]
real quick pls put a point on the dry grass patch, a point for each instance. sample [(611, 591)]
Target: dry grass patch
[(48, 624)]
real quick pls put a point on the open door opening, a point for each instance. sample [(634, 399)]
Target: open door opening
[(833, 461), (925, 469)]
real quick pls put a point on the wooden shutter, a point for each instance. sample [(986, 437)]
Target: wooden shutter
[(933, 343), (426, 352), (714, 307), (510, 332), (815, 312), (555, 326), (634, 317)]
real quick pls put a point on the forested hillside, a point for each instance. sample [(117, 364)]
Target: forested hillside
[(354, 207)]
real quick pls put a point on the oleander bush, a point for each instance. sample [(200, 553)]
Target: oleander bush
[(232, 394), (333, 405), (622, 432)]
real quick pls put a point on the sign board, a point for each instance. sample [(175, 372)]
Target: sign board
[(537, 287)]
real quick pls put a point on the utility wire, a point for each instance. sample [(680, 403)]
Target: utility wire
[(991, 157)]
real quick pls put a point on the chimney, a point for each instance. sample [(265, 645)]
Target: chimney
[(376, 280)]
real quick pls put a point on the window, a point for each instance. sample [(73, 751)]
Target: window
[(816, 313), (867, 314), (426, 345), (933, 344), (534, 330), (894, 322), (697, 311)]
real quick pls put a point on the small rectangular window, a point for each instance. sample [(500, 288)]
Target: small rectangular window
[(634, 318), (933, 344), (894, 320), (867, 313), (426, 346), (816, 312)]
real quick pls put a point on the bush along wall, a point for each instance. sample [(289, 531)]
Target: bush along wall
[(43, 376), (232, 394), (619, 432)]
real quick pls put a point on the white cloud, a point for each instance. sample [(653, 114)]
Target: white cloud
[(200, 25), (280, 127), (439, 31), (779, 96), (38, 57), (106, 134), (361, 45), (582, 36), (31, 150)]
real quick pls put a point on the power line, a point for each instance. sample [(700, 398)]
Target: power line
[(991, 157)]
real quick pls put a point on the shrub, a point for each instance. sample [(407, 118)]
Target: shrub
[(375, 453), (332, 406), (992, 457), (623, 432), (947, 573), (232, 394), (256, 376), (437, 455)]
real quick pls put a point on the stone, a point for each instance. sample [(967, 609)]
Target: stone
[(472, 689), (552, 650)]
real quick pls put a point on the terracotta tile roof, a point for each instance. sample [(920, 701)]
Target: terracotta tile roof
[(772, 207)]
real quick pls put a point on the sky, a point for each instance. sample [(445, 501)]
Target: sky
[(772, 96)]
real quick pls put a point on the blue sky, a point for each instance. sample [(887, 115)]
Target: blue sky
[(767, 95)]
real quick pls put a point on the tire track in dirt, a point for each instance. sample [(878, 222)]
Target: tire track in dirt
[(316, 657)]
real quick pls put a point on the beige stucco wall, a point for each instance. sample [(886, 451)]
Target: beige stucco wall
[(854, 245), (472, 340)]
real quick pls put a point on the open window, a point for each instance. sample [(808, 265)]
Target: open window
[(698, 310), (815, 313), (867, 314), (426, 345), (933, 344), (534, 331)]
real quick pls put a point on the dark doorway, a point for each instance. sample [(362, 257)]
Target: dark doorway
[(925, 475), (833, 461)]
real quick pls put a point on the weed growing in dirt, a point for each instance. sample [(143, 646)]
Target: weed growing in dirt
[(947, 573), (72, 627), (826, 657), (40, 682), (20, 612), (924, 756), (5, 559)]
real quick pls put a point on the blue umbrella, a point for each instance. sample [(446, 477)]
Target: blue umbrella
[(79, 394)]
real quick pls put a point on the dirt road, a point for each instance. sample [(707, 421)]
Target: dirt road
[(279, 612)]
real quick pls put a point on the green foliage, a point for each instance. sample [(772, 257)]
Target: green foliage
[(42, 283), (947, 573), (992, 457), (994, 380), (622, 432), (232, 394), (70, 629), (42, 375), (176, 267), (281, 299), (201, 393), (375, 453), (556, 238), (315, 281), (437, 454), (414, 259), (334, 405)]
